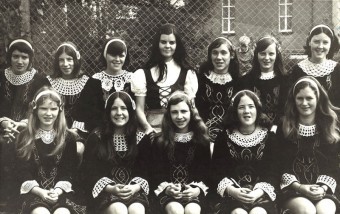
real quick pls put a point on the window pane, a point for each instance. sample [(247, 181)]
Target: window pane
[(289, 9), (225, 25), (282, 23), (232, 2), (232, 12), (225, 12), (282, 10), (289, 23), (225, 2)]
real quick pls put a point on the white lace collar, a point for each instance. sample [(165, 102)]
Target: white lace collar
[(46, 136), (68, 87), (317, 69), (267, 75), (119, 142), (248, 140), (183, 137), (116, 81), (221, 79), (20, 79), (307, 131)]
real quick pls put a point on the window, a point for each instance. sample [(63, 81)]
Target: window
[(285, 15), (228, 16)]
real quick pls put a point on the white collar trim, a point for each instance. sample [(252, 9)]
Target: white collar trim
[(221, 79), (20, 79), (317, 69)]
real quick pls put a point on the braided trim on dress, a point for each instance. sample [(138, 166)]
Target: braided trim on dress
[(317, 69), (267, 188)]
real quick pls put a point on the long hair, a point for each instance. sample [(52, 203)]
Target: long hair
[(325, 117), (71, 52), (26, 140), (116, 47), (156, 58), (106, 149), (261, 45), (22, 47), (233, 68), (196, 124), (232, 120), (334, 48)]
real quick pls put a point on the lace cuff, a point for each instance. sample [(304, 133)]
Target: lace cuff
[(327, 180), (64, 185), (267, 188), (140, 136), (287, 179), (224, 183), (142, 182), (200, 185), (161, 187), (79, 125), (27, 186), (100, 185)]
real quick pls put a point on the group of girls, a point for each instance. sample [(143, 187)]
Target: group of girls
[(167, 140)]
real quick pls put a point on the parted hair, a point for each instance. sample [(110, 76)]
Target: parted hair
[(22, 47)]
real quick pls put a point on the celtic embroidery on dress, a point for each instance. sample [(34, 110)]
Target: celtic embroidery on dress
[(317, 69), (68, 87), (20, 79)]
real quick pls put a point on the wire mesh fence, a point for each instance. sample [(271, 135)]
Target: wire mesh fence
[(89, 23)]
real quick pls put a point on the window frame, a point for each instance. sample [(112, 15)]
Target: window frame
[(229, 19), (285, 17)]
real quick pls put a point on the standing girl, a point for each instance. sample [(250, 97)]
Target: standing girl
[(321, 45), (109, 161), (266, 78), (241, 163), (218, 80), (166, 71), (114, 57), (309, 161), (47, 156), (178, 156)]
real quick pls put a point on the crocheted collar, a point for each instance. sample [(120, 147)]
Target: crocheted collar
[(119, 142), (307, 131), (267, 76), (248, 140), (183, 137), (109, 81), (20, 79), (317, 69), (68, 87), (221, 79), (46, 136)]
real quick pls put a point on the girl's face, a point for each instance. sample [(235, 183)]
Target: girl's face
[(267, 58), (306, 103), (167, 46), (19, 62), (47, 113), (180, 116), (66, 65), (319, 45), (220, 58), (246, 112), (115, 62), (119, 113)]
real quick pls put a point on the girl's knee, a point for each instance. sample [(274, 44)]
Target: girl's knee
[(239, 211), (136, 208), (258, 210), (62, 210), (192, 208), (116, 208), (300, 205), (325, 206), (40, 210), (174, 208)]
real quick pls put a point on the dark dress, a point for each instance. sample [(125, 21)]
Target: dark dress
[(327, 73), (185, 164), (307, 160), (49, 172), (101, 172), (84, 106), (213, 99), (245, 161)]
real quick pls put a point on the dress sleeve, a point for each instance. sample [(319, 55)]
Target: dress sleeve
[(191, 84), (138, 83)]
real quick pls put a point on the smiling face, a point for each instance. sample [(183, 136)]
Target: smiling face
[(180, 116), (66, 65), (167, 46), (220, 58), (247, 113), (119, 114), (19, 62), (115, 62), (319, 45), (267, 58), (47, 113), (306, 102)]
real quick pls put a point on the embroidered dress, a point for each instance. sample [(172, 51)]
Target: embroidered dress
[(48, 172), (112, 83), (307, 160), (213, 99), (83, 104), (101, 172), (185, 164), (244, 161), (327, 73)]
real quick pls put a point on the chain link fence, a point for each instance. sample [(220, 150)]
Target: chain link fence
[(89, 23)]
